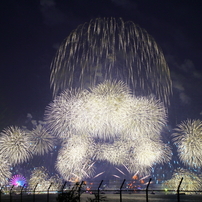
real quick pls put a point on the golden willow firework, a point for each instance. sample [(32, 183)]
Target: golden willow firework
[(14, 145), (188, 138), (41, 140), (107, 111), (190, 182), (111, 49)]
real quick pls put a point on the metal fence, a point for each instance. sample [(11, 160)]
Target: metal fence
[(98, 191)]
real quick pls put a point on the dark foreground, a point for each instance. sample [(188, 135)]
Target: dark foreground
[(108, 197)]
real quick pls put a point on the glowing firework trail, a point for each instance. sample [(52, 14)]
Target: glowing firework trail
[(120, 171), (111, 49), (188, 138), (116, 176), (98, 174), (41, 140), (144, 177), (14, 144)]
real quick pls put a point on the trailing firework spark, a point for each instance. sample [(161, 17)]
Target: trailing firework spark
[(107, 111), (41, 140), (74, 160), (5, 172), (190, 182), (14, 144), (188, 138), (111, 49)]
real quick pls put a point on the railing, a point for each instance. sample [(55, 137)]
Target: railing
[(73, 192)]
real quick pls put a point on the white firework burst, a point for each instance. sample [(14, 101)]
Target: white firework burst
[(115, 153), (41, 140), (58, 114), (75, 159), (107, 112), (190, 182), (188, 138), (145, 152), (14, 144)]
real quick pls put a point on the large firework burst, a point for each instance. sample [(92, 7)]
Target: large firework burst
[(14, 144), (106, 112), (145, 152), (137, 155), (191, 182), (125, 129), (188, 138), (111, 49), (41, 140), (75, 159)]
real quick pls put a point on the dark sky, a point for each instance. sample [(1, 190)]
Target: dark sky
[(31, 31)]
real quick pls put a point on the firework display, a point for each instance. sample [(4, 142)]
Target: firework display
[(74, 161), (138, 155), (190, 182), (188, 138), (111, 49), (41, 140), (41, 181), (106, 115), (105, 72), (124, 129), (14, 144), (111, 88)]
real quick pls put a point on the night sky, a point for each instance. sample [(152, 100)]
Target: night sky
[(31, 32)]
